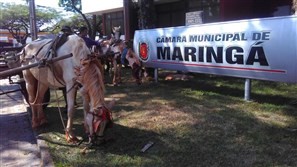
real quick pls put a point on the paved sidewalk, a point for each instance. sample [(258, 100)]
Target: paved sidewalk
[(19, 146)]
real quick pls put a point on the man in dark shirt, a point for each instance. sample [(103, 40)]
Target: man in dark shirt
[(83, 33)]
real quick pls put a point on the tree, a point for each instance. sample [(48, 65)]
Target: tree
[(146, 14), (15, 18), (75, 6), (146, 20)]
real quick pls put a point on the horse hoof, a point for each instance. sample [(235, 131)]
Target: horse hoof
[(35, 124), (71, 139), (116, 84), (43, 122)]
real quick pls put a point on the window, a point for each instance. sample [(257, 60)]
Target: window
[(173, 14), (210, 8), (114, 19)]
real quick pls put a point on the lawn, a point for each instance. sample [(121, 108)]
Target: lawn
[(203, 121)]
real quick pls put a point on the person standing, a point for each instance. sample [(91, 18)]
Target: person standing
[(83, 33), (135, 64)]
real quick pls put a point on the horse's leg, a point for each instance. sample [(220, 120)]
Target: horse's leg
[(31, 86), (107, 63), (119, 73), (89, 125), (70, 137), (86, 109), (88, 118), (114, 80), (42, 88)]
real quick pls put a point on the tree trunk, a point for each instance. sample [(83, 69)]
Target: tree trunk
[(83, 16), (146, 14), (146, 20), (294, 6), (94, 23)]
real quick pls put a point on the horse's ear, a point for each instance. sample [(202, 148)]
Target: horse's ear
[(21, 54)]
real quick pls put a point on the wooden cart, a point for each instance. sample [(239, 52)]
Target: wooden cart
[(9, 70)]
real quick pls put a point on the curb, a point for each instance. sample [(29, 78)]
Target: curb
[(46, 159)]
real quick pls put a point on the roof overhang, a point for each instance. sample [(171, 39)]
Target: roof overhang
[(99, 7)]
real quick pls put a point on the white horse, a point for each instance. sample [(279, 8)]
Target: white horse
[(58, 74)]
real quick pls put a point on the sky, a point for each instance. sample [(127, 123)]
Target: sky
[(48, 3)]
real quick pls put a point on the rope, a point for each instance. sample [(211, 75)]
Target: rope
[(41, 61), (60, 113), (58, 101), (37, 88), (52, 101)]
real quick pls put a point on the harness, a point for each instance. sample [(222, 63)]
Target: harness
[(56, 44), (52, 50), (100, 114)]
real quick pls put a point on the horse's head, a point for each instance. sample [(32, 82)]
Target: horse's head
[(116, 32), (104, 47)]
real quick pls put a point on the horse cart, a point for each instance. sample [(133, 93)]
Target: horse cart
[(10, 68), (8, 61)]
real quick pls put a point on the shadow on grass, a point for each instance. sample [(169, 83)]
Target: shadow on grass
[(223, 86), (234, 138), (130, 139), (218, 136)]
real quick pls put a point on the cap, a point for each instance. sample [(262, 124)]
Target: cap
[(66, 29)]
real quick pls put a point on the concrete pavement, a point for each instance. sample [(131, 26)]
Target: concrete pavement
[(19, 145)]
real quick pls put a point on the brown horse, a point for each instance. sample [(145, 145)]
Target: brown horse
[(97, 114), (109, 54), (58, 74)]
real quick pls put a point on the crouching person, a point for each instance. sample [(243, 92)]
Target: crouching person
[(135, 64)]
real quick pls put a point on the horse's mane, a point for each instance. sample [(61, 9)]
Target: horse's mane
[(90, 77)]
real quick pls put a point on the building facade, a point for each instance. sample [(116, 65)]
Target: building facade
[(171, 13)]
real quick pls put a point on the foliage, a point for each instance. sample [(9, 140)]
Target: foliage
[(74, 22), (71, 5), (16, 19), (75, 6)]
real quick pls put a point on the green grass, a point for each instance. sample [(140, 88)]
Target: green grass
[(201, 122)]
